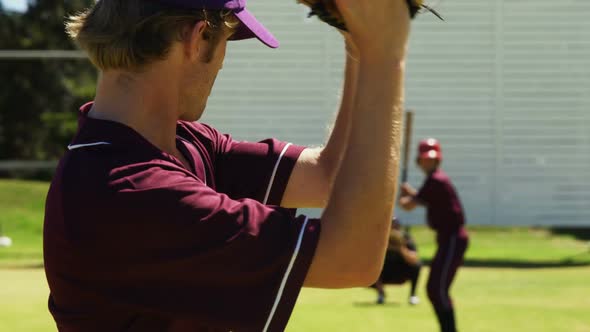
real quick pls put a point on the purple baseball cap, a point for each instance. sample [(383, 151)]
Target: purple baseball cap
[(250, 27)]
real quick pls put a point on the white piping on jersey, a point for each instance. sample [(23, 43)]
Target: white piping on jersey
[(274, 172), (78, 146), (286, 276), (443, 278)]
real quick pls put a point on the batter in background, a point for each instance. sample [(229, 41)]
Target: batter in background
[(445, 216)]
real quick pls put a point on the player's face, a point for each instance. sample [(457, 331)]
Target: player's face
[(199, 79), (427, 165)]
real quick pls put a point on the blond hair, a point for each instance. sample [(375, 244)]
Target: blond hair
[(130, 34)]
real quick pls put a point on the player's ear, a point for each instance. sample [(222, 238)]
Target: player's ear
[(195, 40)]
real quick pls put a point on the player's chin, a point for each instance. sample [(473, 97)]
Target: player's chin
[(193, 115)]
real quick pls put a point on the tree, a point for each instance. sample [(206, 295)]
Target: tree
[(39, 98)]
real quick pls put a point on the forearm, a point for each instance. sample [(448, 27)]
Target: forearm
[(332, 154), (356, 221), (311, 182), (409, 191), (359, 211)]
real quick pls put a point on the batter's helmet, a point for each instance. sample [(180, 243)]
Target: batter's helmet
[(429, 149)]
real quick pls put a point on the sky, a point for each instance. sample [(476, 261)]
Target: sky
[(19, 5)]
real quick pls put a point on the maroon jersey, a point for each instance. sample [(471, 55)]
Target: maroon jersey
[(134, 241), (443, 207)]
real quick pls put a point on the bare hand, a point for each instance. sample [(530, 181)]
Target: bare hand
[(407, 189)]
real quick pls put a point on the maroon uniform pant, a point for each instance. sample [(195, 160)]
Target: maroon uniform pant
[(446, 262)]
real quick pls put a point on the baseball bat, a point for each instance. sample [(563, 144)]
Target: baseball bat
[(409, 119)]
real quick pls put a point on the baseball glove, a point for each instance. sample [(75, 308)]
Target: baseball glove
[(327, 11)]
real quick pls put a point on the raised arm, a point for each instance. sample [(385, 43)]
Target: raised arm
[(356, 221), (312, 178)]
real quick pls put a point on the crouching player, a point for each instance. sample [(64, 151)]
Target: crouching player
[(401, 263)]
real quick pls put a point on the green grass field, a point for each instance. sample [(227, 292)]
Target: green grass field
[(21, 217), (487, 300), (516, 280)]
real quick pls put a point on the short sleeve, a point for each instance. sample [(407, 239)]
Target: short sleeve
[(181, 250), (257, 170)]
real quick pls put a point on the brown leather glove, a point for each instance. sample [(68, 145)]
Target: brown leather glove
[(327, 11)]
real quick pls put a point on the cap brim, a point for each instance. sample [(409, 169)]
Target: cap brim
[(251, 28), (431, 154)]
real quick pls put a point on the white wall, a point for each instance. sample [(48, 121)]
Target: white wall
[(505, 86)]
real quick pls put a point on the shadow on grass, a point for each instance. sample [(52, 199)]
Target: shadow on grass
[(479, 263), (523, 264), (516, 264), (580, 233), (20, 266), (20, 260), (367, 304)]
